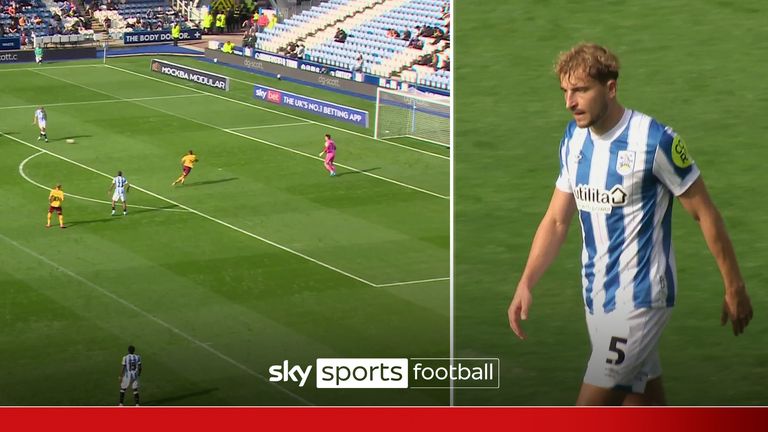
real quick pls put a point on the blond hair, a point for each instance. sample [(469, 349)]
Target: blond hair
[(593, 60)]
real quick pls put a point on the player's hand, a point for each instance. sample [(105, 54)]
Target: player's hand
[(518, 310), (321, 154), (737, 309)]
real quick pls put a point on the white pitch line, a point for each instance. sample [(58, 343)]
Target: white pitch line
[(70, 195), (266, 126), (411, 282), (49, 67), (137, 309), (199, 213), (278, 112), (98, 101), (312, 156)]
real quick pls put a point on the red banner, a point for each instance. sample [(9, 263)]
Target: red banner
[(386, 419)]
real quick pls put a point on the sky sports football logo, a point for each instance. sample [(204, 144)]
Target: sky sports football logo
[(391, 373)]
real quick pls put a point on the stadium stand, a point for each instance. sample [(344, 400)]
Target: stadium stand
[(408, 39), (137, 15), (44, 22)]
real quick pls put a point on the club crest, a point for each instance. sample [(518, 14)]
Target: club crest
[(625, 162)]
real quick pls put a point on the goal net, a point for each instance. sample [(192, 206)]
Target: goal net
[(403, 114)]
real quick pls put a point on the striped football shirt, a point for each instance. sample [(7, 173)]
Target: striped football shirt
[(624, 183), (120, 182), (131, 363)]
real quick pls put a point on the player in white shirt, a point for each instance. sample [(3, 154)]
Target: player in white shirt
[(129, 374), (120, 187), (41, 118), (620, 170)]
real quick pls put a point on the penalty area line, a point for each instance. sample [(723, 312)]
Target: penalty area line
[(70, 195), (199, 213)]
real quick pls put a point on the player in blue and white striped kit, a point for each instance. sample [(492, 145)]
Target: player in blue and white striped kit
[(130, 372), (41, 118), (620, 170), (120, 186)]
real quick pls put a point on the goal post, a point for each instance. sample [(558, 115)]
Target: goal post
[(405, 114)]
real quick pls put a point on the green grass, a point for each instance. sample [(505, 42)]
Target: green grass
[(260, 257), (693, 66)]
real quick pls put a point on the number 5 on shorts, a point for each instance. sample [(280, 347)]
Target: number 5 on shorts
[(615, 341)]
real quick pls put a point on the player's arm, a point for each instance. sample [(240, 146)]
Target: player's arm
[(737, 307), (122, 372), (549, 237)]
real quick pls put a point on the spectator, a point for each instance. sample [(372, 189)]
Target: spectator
[(416, 43), (290, 50), (392, 33), (249, 40), (425, 60), (300, 51), (437, 61), (248, 24), (439, 35), (358, 63), (340, 36), (176, 33), (221, 22), (406, 35), (426, 31), (230, 20), (262, 22), (207, 22), (228, 47)]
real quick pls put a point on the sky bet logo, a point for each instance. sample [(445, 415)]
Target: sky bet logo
[(389, 373)]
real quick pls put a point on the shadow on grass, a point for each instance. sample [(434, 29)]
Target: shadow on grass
[(64, 138), (208, 182), (119, 214), (92, 221), (339, 174)]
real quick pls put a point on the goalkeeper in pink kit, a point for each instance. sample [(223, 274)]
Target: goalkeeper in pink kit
[(330, 154)]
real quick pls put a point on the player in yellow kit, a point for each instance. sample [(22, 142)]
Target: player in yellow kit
[(187, 163), (55, 198)]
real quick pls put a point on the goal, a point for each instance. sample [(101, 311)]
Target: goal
[(404, 114)]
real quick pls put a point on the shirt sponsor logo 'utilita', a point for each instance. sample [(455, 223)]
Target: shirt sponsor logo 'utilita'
[(593, 199)]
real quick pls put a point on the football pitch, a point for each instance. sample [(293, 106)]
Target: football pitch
[(696, 66), (260, 257)]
